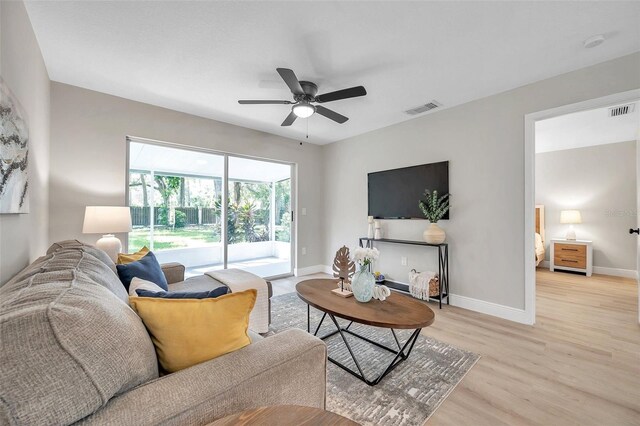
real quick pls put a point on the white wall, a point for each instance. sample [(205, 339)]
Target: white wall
[(88, 157), (484, 142), (24, 237), (600, 181)]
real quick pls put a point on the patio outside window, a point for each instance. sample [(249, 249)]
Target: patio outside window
[(177, 205)]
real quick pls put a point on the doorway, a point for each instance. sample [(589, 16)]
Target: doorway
[(570, 202), (210, 210)]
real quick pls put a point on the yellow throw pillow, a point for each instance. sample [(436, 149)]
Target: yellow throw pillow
[(186, 332), (125, 258)]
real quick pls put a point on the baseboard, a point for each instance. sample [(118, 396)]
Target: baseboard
[(309, 270), (490, 308), (614, 272)]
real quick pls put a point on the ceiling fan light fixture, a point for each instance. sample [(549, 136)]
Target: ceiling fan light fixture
[(303, 110)]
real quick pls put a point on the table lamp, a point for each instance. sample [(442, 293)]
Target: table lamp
[(107, 220), (570, 217)]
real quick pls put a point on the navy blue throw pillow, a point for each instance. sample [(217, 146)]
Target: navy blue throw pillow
[(220, 291), (146, 268)]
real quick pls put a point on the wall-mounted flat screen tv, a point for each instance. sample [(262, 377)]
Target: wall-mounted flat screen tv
[(394, 194)]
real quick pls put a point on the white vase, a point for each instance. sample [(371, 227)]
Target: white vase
[(434, 234)]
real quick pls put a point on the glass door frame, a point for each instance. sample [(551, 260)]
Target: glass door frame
[(225, 194)]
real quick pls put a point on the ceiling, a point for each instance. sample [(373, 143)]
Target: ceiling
[(587, 128), (201, 57), (175, 161)]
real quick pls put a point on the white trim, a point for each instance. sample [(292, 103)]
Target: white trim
[(615, 272), (529, 183), (293, 176), (490, 308), (293, 220), (603, 270), (315, 269)]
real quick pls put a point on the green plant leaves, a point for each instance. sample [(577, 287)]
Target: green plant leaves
[(434, 207)]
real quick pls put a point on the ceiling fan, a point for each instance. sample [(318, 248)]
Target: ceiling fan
[(304, 94)]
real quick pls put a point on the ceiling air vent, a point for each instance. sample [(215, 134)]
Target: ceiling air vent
[(424, 108), (621, 110)]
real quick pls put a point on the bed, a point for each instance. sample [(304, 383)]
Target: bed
[(539, 238)]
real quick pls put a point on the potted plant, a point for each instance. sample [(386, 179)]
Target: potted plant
[(363, 281), (434, 207)]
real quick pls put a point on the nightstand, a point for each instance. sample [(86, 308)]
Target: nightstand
[(571, 255)]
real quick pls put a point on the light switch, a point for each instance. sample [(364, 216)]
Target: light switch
[(304, 211)]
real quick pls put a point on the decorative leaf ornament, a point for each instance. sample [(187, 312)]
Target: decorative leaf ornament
[(343, 267)]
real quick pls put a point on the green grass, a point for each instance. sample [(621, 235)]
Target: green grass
[(192, 236), (166, 238)]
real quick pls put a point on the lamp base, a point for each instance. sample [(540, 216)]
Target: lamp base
[(571, 234), (110, 245)]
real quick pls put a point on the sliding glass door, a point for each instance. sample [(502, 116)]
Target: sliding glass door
[(259, 216), (179, 199)]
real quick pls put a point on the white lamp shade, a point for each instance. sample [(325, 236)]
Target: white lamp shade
[(106, 220), (570, 216)]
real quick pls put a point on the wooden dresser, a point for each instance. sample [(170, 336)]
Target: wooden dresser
[(571, 255)]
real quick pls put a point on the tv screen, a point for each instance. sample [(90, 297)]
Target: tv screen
[(394, 194)]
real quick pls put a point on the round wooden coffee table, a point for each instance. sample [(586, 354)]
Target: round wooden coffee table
[(396, 312), (284, 415)]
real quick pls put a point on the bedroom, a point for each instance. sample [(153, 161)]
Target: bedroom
[(586, 187)]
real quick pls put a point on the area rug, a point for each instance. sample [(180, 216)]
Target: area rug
[(406, 396)]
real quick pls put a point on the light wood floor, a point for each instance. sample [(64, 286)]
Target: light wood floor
[(578, 365)]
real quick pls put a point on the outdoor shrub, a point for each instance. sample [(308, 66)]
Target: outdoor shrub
[(180, 219), (162, 216)]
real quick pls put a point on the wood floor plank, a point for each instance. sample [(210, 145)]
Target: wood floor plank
[(578, 365)]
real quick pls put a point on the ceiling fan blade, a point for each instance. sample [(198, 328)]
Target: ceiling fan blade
[(265, 102), (332, 115), (290, 78), (290, 119), (352, 92)]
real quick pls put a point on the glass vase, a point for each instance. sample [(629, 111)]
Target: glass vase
[(362, 285)]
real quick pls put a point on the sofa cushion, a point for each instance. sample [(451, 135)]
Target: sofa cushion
[(197, 283), (140, 284), (187, 332), (146, 268), (183, 294), (69, 343), (79, 245), (124, 258)]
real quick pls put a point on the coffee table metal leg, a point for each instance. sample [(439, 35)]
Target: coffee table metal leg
[(361, 376), (396, 339), (315, 333), (373, 342), (399, 358)]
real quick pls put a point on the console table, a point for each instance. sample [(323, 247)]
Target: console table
[(443, 266)]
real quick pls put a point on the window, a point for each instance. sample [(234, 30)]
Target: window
[(177, 200)]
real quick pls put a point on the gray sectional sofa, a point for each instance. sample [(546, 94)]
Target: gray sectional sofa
[(72, 350)]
